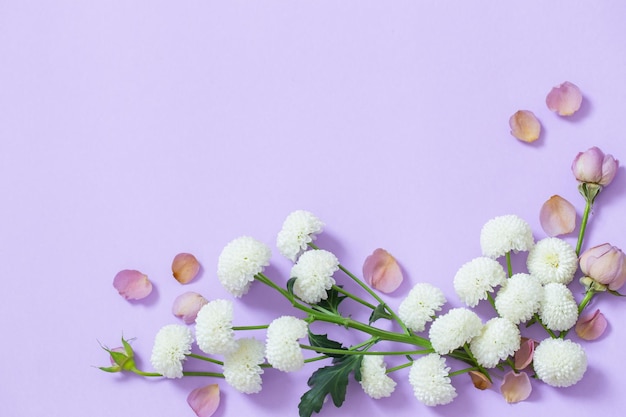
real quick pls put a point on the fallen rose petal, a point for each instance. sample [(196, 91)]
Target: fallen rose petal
[(525, 126), (516, 387), (132, 284), (591, 327), (557, 216), (524, 355), (480, 380), (564, 99), (187, 305), (205, 400), (382, 272), (185, 267)]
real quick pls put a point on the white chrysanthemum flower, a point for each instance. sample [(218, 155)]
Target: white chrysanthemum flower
[(559, 362), (476, 278), (242, 368), (214, 328), (558, 310), (520, 298), (504, 234), (452, 330), (498, 339), (282, 348), (314, 275), (239, 262), (429, 377), (299, 229), (374, 379), (420, 306), (552, 260), (171, 345)]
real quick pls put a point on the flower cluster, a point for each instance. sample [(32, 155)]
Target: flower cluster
[(427, 333)]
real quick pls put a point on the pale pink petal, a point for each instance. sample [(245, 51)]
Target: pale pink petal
[(564, 99), (204, 401), (525, 126), (524, 355), (591, 327), (185, 267), (132, 284), (480, 380), (187, 305), (516, 387), (557, 216), (382, 272)]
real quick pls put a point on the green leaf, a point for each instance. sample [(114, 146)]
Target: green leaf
[(379, 312), (331, 380), (616, 293), (111, 369), (290, 284), (331, 303), (322, 340)]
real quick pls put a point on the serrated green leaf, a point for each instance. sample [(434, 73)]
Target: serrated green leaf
[(331, 303), (331, 380), (322, 340), (379, 313)]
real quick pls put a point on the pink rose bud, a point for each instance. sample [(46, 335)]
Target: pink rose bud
[(185, 267), (524, 355), (564, 99), (132, 285), (605, 264), (525, 126), (592, 326), (516, 387), (204, 401), (593, 166), (382, 272), (187, 305), (557, 216)]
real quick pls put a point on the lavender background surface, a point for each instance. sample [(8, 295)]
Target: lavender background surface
[(131, 131)]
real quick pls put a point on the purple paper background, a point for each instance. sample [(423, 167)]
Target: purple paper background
[(132, 131)]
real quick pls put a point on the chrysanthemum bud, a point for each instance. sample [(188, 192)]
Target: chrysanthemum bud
[(185, 267), (132, 284)]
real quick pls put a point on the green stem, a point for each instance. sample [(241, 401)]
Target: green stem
[(585, 301), (361, 352), (550, 332), (205, 358), (583, 225), (491, 301), (464, 371), (258, 327), (396, 368), (509, 267), (354, 297), (185, 373)]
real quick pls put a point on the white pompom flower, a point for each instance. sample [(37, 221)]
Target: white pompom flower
[(552, 260), (505, 234), (314, 275), (282, 349), (374, 379), (420, 305), (429, 377), (498, 339), (559, 362), (242, 368), (239, 262), (558, 310), (478, 277), (299, 229), (452, 330), (171, 346), (214, 328), (520, 298)]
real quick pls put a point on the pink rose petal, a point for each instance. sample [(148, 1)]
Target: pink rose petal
[(564, 99), (187, 305), (557, 216), (591, 327), (480, 380), (185, 267), (516, 387), (204, 401), (525, 126), (382, 272), (524, 355), (132, 284)]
